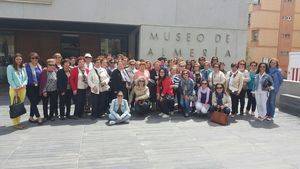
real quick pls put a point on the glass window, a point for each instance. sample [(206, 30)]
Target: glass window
[(69, 44), (7, 51), (112, 46)]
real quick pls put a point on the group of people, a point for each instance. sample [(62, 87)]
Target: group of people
[(119, 86)]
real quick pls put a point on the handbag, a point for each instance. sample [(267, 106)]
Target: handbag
[(17, 108), (219, 118)]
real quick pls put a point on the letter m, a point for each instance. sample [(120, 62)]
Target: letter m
[(154, 36)]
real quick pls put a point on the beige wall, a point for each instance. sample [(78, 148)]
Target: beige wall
[(258, 53), (297, 21), (265, 19), (271, 5), (268, 37), (296, 39), (297, 6)]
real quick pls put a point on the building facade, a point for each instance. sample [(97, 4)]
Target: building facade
[(274, 30), (139, 28)]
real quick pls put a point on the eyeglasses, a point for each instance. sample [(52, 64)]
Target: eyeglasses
[(51, 65), (253, 65), (262, 66), (219, 87), (34, 58), (204, 83), (242, 64), (120, 95)]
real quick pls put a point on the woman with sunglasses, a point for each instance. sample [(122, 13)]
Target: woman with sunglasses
[(214, 60), (203, 98), (17, 80), (263, 84), (242, 95), (216, 76), (275, 73), (48, 89), (79, 85), (251, 104), (197, 75), (186, 89), (221, 101), (140, 93), (33, 70), (119, 111), (165, 93), (234, 85), (64, 89)]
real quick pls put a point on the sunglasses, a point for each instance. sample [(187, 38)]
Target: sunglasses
[(262, 66), (242, 64), (120, 95), (204, 83), (253, 65), (219, 87), (51, 65), (34, 58)]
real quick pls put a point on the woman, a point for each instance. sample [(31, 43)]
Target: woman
[(186, 88), (216, 76), (58, 58), (141, 94), (275, 73), (48, 89), (142, 72), (221, 100), (33, 70), (263, 84), (251, 104), (214, 60), (120, 81), (197, 75), (242, 95), (164, 92), (98, 80), (203, 98), (234, 85), (64, 89), (17, 79), (119, 110), (79, 85), (206, 71), (154, 73)]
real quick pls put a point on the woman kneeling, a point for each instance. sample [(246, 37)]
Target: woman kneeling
[(221, 100), (119, 110)]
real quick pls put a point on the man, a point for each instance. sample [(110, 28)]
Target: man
[(88, 61), (58, 59)]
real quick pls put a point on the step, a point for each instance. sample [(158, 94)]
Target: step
[(289, 104)]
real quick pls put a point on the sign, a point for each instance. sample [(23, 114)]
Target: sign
[(171, 42)]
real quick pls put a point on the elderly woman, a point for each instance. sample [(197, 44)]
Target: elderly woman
[(17, 79), (246, 78), (98, 80), (186, 89), (221, 100), (48, 89), (216, 76), (119, 111), (141, 94), (142, 72), (203, 98), (275, 73)]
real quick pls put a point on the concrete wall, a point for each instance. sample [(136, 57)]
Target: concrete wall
[(229, 14), (289, 87)]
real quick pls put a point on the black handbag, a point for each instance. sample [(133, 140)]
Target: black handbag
[(17, 108)]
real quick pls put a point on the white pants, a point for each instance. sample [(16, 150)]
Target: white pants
[(200, 107), (261, 103)]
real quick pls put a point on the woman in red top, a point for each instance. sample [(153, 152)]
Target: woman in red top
[(165, 94), (79, 85)]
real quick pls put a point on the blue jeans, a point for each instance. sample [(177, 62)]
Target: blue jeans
[(271, 103), (185, 104), (124, 119)]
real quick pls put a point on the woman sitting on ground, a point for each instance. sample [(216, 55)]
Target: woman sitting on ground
[(119, 111), (140, 94), (221, 100), (203, 98)]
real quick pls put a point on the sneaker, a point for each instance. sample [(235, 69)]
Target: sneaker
[(111, 123)]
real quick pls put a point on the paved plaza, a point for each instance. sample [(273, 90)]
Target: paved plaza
[(156, 141)]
